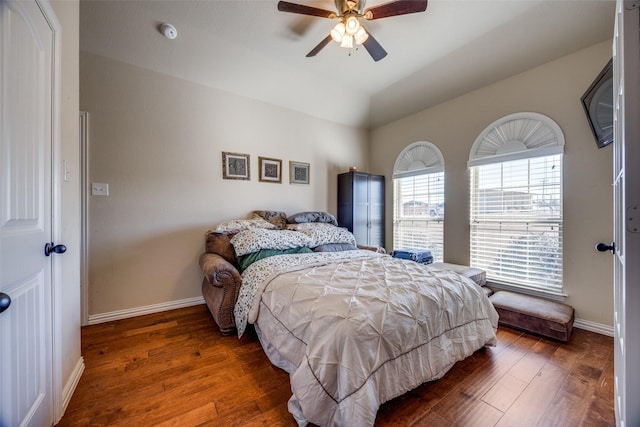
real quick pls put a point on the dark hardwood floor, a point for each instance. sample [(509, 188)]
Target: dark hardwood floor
[(174, 369)]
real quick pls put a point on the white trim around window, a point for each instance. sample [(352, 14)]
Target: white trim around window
[(516, 217), (418, 199)]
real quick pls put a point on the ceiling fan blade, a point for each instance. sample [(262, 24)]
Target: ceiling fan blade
[(285, 6), (320, 46), (399, 7), (301, 25), (376, 51)]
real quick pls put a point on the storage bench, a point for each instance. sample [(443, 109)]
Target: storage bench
[(539, 316)]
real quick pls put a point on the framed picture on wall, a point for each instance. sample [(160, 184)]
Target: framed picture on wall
[(270, 170), (235, 166), (298, 173)]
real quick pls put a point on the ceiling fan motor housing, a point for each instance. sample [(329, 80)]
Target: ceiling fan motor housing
[(344, 6)]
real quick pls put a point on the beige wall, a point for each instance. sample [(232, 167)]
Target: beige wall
[(553, 89), (157, 141), (67, 12)]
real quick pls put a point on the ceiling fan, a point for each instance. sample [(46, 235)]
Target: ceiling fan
[(349, 32)]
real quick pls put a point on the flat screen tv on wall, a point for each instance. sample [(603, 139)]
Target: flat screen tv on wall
[(598, 105)]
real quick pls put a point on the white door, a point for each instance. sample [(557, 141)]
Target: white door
[(626, 200), (26, 140)]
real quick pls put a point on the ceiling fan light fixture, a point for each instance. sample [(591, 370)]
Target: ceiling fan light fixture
[(361, 36), (347, 41), (337, 33), (352, 25)]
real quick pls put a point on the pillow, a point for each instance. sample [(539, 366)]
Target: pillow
[(303, 217), (321, 233), (245, 261), (237, 225), (253, 240), (335, 247), (277, 218)]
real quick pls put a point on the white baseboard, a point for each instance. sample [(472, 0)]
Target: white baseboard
[(598, 328), (70, 386), (94, 319)]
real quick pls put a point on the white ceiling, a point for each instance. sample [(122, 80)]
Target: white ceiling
[(248, 48)]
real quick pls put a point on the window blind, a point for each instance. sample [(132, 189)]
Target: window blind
[(516, 222), (418, 212)]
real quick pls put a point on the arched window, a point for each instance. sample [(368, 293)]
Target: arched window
[(418, 199), (516, 203)]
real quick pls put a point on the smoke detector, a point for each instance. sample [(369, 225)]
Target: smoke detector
[(169, 31)]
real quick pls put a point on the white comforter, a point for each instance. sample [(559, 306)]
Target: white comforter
[(355, 329)]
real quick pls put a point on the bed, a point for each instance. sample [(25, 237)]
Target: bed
[(353, 328)]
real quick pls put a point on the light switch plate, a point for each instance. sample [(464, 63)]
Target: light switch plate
[(99, 189)]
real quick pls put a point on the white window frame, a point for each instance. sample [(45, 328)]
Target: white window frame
[(519, 228), (421, 164)]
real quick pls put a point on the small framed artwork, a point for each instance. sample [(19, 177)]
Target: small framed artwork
[(235, 166), (270, 170), (298, 173)]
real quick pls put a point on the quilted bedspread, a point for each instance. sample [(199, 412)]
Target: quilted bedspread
[(357, 329)]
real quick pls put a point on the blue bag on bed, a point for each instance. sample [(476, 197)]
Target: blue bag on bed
[(422, 256)]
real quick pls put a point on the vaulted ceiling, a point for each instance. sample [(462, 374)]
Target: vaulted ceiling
[(248, 48)]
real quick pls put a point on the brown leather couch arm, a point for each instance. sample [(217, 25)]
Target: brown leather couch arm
[(218, 270), (220, 289)]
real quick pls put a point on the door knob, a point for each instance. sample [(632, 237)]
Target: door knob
[(49, 248), (5, 301), (603, 247)]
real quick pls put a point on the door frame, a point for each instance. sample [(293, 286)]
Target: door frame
[(57, 172), (84, 218)]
